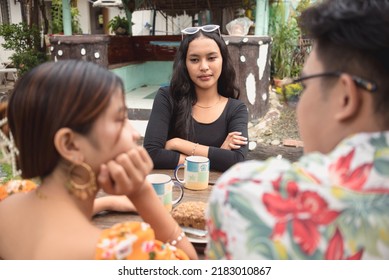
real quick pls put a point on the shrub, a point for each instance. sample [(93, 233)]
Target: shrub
[(25, 42), (285, 34)]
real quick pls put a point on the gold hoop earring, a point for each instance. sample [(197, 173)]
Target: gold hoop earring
[(82, 191)]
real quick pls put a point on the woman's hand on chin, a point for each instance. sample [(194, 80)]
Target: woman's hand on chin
[(126, 174)]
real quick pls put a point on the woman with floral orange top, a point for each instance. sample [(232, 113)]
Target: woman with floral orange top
[(71, 130)]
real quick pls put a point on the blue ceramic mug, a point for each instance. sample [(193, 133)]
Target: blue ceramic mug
[(163, 186), (196, 173)]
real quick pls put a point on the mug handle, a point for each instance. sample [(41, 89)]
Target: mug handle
[(176, 173), (176, 201)]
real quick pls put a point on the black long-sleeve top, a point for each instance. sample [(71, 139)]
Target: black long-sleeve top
[(233, 118)]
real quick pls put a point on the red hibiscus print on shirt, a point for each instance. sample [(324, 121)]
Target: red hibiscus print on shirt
[(306, 210), (335, 249), (354, 179), (217, 234)]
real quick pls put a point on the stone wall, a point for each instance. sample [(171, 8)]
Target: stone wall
[(84, 47), (108, 50)]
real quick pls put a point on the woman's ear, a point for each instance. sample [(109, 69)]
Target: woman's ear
[(349, 99), (67, 145)]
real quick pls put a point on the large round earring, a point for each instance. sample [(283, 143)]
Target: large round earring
[(82, 191)]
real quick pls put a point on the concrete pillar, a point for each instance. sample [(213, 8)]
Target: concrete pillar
[(262, 18)]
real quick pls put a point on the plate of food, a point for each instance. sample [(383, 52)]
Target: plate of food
[(195, 235), (197, 240), (190, 216)]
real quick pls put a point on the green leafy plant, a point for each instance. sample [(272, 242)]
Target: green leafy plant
[(76, 26), (25, 42), (285, 34), (5, 170), (6, 173), (119, 25)]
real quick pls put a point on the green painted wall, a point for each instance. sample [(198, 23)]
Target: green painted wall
[(146, 73)]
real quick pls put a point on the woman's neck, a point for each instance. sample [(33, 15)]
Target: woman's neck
[(54, 189), (209, 103), (206, 93), (207, 97)]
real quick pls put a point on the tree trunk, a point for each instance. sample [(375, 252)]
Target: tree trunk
[(35, 14), (23, 10), (44, 17)]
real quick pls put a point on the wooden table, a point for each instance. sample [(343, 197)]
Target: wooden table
[(108, 219)]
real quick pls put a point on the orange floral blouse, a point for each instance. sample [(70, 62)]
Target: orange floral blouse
[(123, 241)]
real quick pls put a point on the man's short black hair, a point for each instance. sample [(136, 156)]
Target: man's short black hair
[(353, 36)]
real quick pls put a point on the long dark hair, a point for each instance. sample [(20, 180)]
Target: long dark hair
[(182, 88), (70, 93)]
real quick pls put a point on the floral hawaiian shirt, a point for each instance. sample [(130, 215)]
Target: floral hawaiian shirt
[(333, 206), (129, 240)]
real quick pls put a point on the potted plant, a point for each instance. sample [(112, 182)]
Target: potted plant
[(119, 25)]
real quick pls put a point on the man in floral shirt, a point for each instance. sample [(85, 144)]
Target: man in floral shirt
[(332, 203)]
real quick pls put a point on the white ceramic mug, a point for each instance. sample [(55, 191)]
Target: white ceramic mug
[(163, 186), (196, 173)]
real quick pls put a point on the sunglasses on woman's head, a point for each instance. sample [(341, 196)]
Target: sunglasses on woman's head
[(204, 28)]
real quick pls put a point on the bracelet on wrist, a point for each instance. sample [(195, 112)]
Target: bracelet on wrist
[(174, 242), (194, 149)]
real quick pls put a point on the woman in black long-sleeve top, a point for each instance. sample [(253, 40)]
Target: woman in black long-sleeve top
[(199, 114)]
